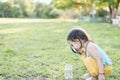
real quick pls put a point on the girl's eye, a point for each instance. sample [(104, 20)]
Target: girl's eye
[(71, 45)]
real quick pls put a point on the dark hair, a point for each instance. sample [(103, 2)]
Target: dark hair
[(79, 34)]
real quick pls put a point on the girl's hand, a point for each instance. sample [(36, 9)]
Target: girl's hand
[(101, 77), (82, 50)]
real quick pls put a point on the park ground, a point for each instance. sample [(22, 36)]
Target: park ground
[(37, 48)]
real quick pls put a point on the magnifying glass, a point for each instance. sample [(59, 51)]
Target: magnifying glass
[(73, 49)]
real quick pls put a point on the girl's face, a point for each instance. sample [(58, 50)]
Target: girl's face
[(76, 44)]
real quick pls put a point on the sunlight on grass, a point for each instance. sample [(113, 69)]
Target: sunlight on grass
[(14, 30), (15, 20)]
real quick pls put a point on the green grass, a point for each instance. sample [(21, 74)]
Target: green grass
[(39, 49)]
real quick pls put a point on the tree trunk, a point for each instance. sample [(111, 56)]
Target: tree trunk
[(110, 11), (113, 12)]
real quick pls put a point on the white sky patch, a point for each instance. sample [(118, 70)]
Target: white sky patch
[(39, 1), (42, 1), (3, 0)]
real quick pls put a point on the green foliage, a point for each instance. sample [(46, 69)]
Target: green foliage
[(67, 4), (86, 5), (113, 6), (84, 13), (62, 4), (113, 3), (6, 10), (25, 8), (53, 14), (16, 12), (119, 13), (46, 11), (101, 12)]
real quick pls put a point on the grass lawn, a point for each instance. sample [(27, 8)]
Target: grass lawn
[(34, 50)]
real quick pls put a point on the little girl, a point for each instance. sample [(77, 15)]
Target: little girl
[(81, 44)]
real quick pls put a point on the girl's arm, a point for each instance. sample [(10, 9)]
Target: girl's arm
[(94, 52)]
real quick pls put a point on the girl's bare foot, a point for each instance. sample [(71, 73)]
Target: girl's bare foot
[(86, 76)]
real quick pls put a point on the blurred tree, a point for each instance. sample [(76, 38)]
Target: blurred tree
[(113, 7), (38, 9), (27, 7), (62, 4), (22, 6), (101, 12), (5, 9), (88, 4), (67, 4), (85, 6), (15, 12), (45, 11)]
